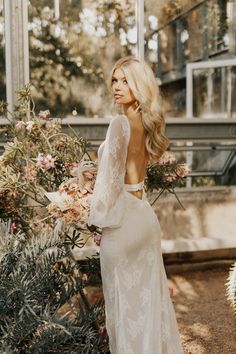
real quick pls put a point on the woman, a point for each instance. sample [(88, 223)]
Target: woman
[(140, 317)]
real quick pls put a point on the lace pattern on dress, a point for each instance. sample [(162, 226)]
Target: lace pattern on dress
[(107, 201)]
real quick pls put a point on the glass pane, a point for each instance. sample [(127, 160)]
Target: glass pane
[(151, 46), (151, 23), (204, 157), (210, 160), (217, 22), (168, 47), (216, 162), (73, 45), (191, 35), (214, 91), (2, 56)]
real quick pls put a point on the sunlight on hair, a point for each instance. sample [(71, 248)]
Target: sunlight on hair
[(143, 84)]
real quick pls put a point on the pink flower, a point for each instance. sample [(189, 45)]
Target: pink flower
[(102, 330), (183, 170), (97, 238), (73, 165), (44, 114), (13, 193), (40, 159), (167, 158), (84, 277), (19, 124), (49, 162), (171, 291), (171, 177), (13, 227), (45, 162)]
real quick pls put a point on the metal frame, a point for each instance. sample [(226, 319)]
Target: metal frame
[(228, 51), (17, 43), (231, 148), (190, 67), (17, 73), (17, 47), (140, 28)]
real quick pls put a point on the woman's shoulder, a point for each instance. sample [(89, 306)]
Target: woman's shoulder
[(119, 118), (120, 122)]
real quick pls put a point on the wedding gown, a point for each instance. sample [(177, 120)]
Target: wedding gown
[(140, 317)]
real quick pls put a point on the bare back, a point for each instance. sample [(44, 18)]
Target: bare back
[(137, 157)]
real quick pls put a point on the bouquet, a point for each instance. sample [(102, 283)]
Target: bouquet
[(71, 202), (166, 175)]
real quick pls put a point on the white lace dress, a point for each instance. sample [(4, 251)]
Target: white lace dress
[(140, 317)]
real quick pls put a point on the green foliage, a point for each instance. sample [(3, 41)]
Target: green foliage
[(38, 277), (44, 307), (72, 54)]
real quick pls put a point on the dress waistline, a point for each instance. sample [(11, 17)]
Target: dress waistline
[(134, 187)]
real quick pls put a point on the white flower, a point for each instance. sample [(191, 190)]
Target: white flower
[(29, 125), (84, 171), (62, 200), (44, 114), (40, 159)]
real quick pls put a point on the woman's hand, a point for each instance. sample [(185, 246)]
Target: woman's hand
[(171, 292), (96, 233), (97, 238), (94, 228), (91, 228)]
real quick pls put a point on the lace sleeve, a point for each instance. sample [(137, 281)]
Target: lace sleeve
[(107, 202)]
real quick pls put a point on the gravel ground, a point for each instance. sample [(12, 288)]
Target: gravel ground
[(206, 321)]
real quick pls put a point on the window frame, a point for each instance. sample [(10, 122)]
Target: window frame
[(190, 67)]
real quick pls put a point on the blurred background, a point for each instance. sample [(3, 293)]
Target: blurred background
[(66, 49), (74, 43)]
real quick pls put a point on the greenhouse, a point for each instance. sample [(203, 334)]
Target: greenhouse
[(60, 88)]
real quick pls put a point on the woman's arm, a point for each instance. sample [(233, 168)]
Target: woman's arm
[(107, 200)]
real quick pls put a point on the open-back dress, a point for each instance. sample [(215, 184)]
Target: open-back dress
[(140, 317)]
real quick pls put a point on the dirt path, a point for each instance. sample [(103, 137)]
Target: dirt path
[(206, 321)]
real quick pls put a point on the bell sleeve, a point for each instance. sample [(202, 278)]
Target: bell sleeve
[(107, 201)]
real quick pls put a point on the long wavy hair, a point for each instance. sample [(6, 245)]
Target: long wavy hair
[(142, 83)]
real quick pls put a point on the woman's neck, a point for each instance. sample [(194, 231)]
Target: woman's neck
[(131, 111)]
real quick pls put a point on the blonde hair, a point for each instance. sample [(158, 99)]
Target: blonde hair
[(142, 83)]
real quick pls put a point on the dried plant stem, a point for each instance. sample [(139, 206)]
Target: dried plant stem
[(172, 191), (158, 196)]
